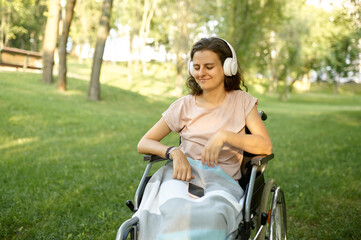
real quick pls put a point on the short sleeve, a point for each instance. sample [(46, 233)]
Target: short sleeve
[(173, 115), (249, 102)]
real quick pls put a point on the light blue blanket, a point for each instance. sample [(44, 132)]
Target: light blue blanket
[(168, 212)]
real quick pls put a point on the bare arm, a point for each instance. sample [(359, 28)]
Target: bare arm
[(150, 144), (258, 142)]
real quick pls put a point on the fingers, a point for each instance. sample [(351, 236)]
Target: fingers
[(210, 157), (183, 175), (175, 174), (203, 158), (182, 169), (189, 176), (212, 149)]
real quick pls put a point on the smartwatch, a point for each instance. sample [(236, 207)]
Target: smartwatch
[(169, 150)]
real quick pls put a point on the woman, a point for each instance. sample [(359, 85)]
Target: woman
[(204, 136), (211, 121)]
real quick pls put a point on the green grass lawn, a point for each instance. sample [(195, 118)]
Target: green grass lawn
[(67, 164)]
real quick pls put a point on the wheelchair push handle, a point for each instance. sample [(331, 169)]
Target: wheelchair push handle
[(263, 115), (130, 205)]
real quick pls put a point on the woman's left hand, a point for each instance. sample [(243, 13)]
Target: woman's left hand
[(213, 148)]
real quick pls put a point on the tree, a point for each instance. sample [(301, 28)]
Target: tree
[(316, 39), (68, 16), (148, 12), (50, 39), (344, 54), (84, 27), (178, 24), (247, 24), (22, 23), (287, 47), (181, 39), (138, 15), (103, 31), (5, 21)]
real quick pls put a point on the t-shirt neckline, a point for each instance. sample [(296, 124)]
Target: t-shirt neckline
[(212, 108)]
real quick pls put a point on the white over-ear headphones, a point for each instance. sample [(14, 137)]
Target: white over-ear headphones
[(230, 65)]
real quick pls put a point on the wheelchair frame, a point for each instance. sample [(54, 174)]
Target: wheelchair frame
[(264, 206)]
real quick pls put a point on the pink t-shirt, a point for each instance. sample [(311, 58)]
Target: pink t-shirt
[(196, 125)]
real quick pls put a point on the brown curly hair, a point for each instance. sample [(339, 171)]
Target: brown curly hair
[(221, 48)]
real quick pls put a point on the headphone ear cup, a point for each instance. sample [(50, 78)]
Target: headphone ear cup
[(230, 67), (234, 67), (191, 68), (227, 67)]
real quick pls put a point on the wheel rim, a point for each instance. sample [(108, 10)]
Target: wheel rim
[(273, 203), (278, 225)]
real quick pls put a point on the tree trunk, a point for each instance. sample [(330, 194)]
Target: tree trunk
[(179, 79), (272, 88), (103, 31), (148, 12), (335, 88), (62, 44), (183, 17), (50, 39), (130, 60), (33, 41), (284, 95), (7, 27), (2, 26), (85, 37), (135, 49)]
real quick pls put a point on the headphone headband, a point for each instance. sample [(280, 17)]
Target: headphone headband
[(234, 56)]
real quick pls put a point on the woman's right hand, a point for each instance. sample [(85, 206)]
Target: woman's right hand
[(181, 167)]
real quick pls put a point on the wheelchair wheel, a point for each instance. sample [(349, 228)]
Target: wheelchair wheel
[(273, 203)]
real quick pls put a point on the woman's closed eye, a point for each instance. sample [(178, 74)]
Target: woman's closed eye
[(209, 67)]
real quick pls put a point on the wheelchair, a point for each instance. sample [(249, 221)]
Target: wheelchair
[(264, 212)]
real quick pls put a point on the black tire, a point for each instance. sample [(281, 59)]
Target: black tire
[(273, 203)]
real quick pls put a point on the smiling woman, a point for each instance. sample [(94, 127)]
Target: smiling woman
[(233, 79), (208, 71), (211, 121)]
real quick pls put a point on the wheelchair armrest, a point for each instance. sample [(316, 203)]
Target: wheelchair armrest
[(261, 159), (153, 158), (251, 160)]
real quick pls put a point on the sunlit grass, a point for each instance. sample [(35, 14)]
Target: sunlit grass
[(158, 80), (68, 164)]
